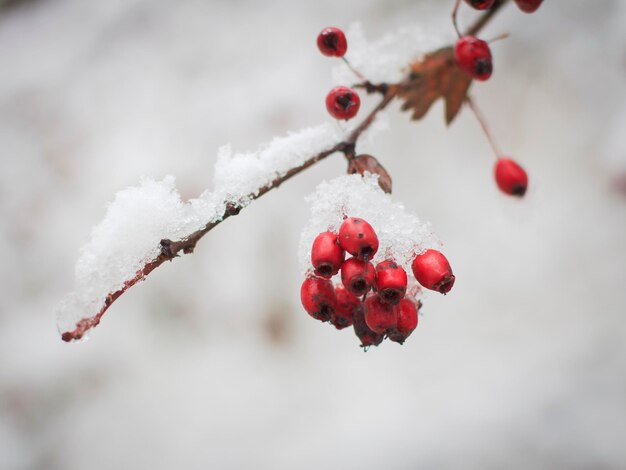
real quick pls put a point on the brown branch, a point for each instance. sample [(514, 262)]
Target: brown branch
[(172, 249), (485, 18)]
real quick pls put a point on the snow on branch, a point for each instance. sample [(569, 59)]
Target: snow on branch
[(136, 233)]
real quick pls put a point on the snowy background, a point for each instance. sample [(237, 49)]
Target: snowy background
[(212, 363)]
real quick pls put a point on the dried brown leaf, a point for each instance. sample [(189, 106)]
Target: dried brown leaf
[(435, 76), (367, 163)]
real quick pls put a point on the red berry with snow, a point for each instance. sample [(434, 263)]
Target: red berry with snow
[(332, 42), (432, 270), (358, 238), (480, 4), (326, 255), (358, 276), (473, 56), (379, 316), (368, 337), (343, 103), (391, 281), (510, 177), (318, 298), (407, 320), (345, 308), (528, 6)]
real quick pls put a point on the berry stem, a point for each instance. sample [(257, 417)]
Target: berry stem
[(498, 38), (485, 18), (483, 123), (370, 87), (455, 12), (353, 70)]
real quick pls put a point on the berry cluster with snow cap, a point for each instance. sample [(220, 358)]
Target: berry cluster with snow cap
[(377, 299)]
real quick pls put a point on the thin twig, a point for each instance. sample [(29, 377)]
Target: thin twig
[(352, 69), (485, 18), (483, 123), (455, 12)]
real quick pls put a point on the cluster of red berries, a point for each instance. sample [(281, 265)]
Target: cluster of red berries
[(373, 299), (341, 102)]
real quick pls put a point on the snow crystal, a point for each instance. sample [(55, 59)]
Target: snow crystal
[(241, 175), (129, 236), (140, 217), (401, 235), (386, 59)]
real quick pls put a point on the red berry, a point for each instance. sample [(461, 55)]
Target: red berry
[(379, 316), (345, 308), (511, 178), (343, 103), (473, 56), (407, 320), (358, 238), (368, 337), (480, 4), (326, 255), (318, 298), (332, 42), (391, 281), (432, 270), (358, 276), (528, 6)]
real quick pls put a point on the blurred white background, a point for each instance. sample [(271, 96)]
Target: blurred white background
[(212, 363)]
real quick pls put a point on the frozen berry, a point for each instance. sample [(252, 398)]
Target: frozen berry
[(318, 297), (343, 103), (473, 56), (332, 42), (511, 178), (326, 255), (391, 281), (432, 270), (407, 320), (358, 276), (358, 238), (345, 308), (379, 316), (528, 6), (368, 337), (480, 4)]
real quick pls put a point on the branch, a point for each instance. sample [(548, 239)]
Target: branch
[(172, 249), (485, 18)]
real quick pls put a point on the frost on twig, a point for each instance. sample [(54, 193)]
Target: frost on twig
[(401, 235), (130, 241)]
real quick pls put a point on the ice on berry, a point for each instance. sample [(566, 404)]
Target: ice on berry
[(401, 234)]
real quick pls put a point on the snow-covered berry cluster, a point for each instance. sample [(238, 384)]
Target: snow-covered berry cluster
[(372, 298)]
